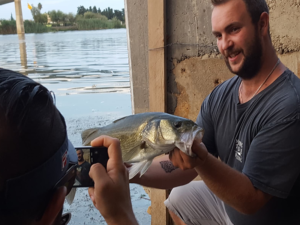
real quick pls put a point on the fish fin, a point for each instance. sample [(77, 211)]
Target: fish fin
[(146, 167), (70, 197), (128, 156), (137, 167), (86, 134)]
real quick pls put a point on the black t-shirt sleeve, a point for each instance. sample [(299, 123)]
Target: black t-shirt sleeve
[(273, 159), (204, 120)]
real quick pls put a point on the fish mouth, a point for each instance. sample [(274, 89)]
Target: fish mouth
[(186, 140)]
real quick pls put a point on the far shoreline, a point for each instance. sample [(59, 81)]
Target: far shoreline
[(65, 30)]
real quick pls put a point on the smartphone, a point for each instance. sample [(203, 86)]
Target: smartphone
[(87, 156)]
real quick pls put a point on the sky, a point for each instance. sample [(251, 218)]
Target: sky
[(66, 6)]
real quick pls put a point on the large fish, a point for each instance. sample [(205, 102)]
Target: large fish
[(147, 135)]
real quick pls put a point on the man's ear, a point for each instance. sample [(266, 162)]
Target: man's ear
[(264, 23), (54, 207)]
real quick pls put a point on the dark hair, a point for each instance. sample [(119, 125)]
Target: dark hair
[(254, 7), (79, 150), (31, 131)]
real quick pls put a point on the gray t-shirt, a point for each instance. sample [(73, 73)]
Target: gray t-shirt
[(261, 139)]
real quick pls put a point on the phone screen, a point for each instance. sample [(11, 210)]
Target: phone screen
[(87, 156)]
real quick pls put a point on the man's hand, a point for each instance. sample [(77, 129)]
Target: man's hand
[(185, 162), (111, 194)]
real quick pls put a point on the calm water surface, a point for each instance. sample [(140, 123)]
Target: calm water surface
[(87, 70)]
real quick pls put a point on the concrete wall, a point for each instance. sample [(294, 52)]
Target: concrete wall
[(194, 66)]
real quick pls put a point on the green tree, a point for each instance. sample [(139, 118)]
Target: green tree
[(53, 16), (81, 10), (108, 12), (40, 6), (119, 15), (36, 13), (42, 18), (94, 9), (58, 16), (99, 10), (123, 14), (90, 15), (11, 18), (90, 9), (71, 18), (61, 16), (116, 23)]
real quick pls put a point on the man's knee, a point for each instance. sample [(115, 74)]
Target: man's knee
[(176, 219), (187, 194), (194, 203), (180, 202), (177, 195)]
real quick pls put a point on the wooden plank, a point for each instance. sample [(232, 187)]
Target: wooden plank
[(157, 91), (156, 53), (159, 213)]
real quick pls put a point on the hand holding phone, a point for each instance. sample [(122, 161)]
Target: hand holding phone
[(111, 194), (87, 156)]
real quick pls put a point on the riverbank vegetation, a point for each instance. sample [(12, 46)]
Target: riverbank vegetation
[(91, 18)]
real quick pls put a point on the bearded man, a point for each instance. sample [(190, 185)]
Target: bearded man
[(251, 123), (82, 170)]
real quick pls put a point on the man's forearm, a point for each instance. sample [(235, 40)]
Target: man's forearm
[(231, 186), (163, 175)]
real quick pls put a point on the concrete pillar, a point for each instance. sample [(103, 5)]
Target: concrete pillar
[(19, 17)]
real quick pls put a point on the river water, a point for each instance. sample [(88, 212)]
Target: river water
[(88, 72)]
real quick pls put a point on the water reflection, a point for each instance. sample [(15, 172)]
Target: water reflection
[(70, 62), (74, 65), (23, 54)]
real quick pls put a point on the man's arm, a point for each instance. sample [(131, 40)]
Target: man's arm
[(231, 186), (163, 175)]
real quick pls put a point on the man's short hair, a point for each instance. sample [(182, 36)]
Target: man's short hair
[(31, 131), (79, 150), (254, 7)]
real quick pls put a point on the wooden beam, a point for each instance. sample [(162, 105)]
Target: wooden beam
[(157, 91), (156, 53)]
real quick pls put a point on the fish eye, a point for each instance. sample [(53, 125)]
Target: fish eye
[(177, 124)]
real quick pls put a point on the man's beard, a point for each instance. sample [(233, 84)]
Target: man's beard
[(252, 61), (80, 160)]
